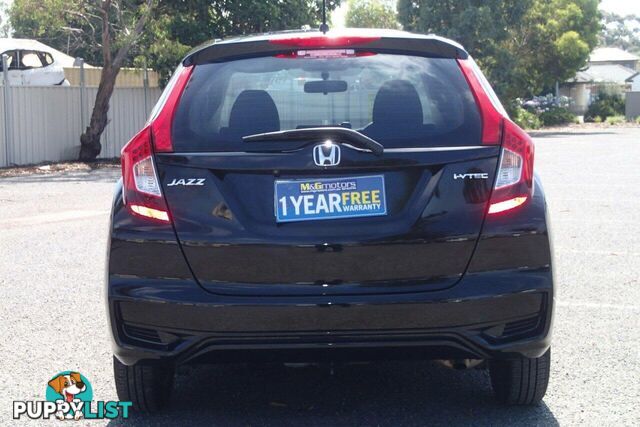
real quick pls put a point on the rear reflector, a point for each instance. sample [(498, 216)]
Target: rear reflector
[(150, 212), (506, 205), (323, 41)]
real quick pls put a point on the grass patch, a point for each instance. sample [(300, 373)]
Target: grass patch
[(615, 120)]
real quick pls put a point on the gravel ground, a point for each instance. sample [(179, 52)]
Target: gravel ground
[(52, 246)]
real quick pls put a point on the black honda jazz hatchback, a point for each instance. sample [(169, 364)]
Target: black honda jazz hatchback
[(353, 195)]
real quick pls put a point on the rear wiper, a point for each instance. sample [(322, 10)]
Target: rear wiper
[(336, 134)]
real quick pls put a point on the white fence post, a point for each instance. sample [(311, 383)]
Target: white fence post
[(8, 137), (145, 84), (82, 96)]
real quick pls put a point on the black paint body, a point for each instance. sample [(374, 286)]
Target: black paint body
[(432, 279), (436, 277)]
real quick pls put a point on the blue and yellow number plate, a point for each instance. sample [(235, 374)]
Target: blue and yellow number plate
[(329, 198)]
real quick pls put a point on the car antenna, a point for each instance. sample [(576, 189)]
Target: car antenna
[(324, 27)]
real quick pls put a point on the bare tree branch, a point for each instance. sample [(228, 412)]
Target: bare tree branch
[(106, 35), (84, 18), (133, 36), (118, 8)]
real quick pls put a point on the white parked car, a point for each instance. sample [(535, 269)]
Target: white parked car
[(31, 63)]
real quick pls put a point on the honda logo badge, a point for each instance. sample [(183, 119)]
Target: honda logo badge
[(327, 154)]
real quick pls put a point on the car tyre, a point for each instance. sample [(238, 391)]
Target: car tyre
[(520, 381), (147, 385)]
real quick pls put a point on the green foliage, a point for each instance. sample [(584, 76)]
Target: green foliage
[(524, 46), (637, 120), (61, 24), (173, 29), (557, 116), (233, 17), (524, 118), (615, 120), (371, 14), (606, 105), (179, 26), (553, 116), (75, 26)]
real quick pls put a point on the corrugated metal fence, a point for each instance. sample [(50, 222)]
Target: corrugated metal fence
[(46, 122)]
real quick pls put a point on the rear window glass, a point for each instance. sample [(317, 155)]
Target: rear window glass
[(398, 100)]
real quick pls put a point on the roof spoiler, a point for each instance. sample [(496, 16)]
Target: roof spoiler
[(412, 44)]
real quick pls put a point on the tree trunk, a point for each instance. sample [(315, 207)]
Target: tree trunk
[(90, 146)]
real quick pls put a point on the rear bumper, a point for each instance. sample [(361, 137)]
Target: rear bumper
[(486, 315)]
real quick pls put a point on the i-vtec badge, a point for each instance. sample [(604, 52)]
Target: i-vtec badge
[(470, 176), (188, 181)]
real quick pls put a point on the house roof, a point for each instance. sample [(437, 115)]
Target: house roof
[(604, 73), (60, 58), (607, 54), (632, 78), (581, 77)]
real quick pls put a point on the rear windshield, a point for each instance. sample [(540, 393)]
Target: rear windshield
[(398, 100)]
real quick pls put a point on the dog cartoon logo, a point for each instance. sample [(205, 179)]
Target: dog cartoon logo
[(69, 396), (71, 388)]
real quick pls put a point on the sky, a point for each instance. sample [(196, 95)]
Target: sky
[(338, 15), (621, 7)]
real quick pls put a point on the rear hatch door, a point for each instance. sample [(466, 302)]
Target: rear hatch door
[(249, 215)]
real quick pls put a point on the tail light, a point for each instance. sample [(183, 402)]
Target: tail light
[(514, 181), (491, 110), (162, 114), (141, 187), (324, 54), (313, 41), (142, 193)]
